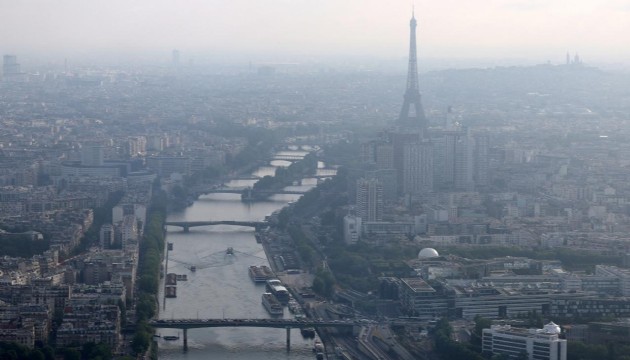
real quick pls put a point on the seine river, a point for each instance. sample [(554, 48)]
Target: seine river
[(221, 287)]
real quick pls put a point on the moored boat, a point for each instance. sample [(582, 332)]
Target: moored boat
[(171, 279), (308, 332), (293, 306), (271, 304), (281, 293), (171, 337), (266, 272), (318, 347), (170, 291), (260, 273)]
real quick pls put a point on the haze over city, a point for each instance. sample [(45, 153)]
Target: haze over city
[(485, 33), (350, 180)]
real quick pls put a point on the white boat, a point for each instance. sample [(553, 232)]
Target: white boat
[(271, 304)]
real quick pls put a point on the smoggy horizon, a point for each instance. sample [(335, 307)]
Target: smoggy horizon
[(508, 32)]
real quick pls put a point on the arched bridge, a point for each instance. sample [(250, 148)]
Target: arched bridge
[(287, 324), (186, 225)]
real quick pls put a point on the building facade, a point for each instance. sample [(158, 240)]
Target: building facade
[(538, 344), (418, 168), (369, 200)]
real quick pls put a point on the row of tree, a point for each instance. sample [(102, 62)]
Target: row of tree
[(286, 176), (612, 351), (571, 258), (449, 349), (151, 251)]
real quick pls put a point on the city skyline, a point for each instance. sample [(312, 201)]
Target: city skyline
[(283, 31)]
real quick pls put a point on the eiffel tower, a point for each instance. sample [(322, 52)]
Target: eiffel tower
[(415, 119)]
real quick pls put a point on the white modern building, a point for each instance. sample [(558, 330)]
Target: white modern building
[(369, 200), (538, 344)]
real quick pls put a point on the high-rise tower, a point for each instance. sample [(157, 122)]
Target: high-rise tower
[(418, 168), (416, 118), (369, 200)]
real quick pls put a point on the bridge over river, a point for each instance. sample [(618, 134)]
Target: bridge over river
[(326, 173), (186, 225), (288, 324), (246, 192)]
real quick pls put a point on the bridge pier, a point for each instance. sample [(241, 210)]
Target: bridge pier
[(288, 338), (185, 340), (186, 229)]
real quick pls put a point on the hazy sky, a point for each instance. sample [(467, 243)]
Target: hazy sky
[(533, 29)]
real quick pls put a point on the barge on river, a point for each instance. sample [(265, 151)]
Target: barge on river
[(260, 274), (170, 291), (271, 304)]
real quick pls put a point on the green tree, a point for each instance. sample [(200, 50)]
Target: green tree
[(49, 352), (140, 342), (123, 312), (481, 323), (11, 355), (477, 334), (71, 354), (318, 286), (577, 350), (36, 354), (178, 192)]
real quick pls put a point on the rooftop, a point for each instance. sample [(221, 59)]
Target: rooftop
[(417, 285)]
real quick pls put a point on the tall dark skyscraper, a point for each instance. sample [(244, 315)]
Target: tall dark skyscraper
[(415, 119)]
